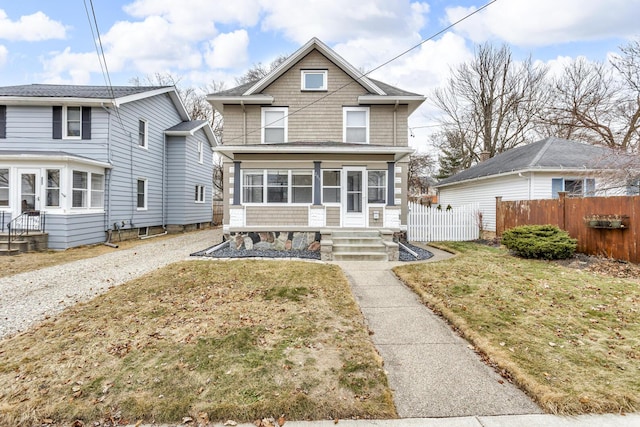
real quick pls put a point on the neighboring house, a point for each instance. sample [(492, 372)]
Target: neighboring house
[(96, 160), (537, 171), (314, 145)]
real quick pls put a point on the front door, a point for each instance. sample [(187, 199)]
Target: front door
[(29, 189), (354, 197)]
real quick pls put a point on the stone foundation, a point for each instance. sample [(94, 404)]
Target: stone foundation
[(278, 240)]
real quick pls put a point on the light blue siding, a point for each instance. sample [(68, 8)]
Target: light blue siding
[(185, 172), (66, 231)]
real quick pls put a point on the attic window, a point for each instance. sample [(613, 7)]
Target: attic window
[(314, 79)]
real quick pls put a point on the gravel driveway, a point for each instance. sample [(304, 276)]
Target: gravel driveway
[(28, 298)]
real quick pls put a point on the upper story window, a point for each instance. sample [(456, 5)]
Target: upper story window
[(200, 152), (3, 121), (274, 125), (143, 134), (314, 80), (356, 125), (71, 122)]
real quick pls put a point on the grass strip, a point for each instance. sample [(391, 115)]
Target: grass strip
[(569, 338)]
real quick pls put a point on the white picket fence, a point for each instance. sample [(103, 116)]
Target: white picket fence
[(430, 224)]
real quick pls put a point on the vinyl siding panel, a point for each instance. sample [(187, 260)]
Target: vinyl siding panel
[(333, 216), (184, 173), (132, 162), (30, 128), (485, 192), (314, 116), (277, 216), (66, 231)]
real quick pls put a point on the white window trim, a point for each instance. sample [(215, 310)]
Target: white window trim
[(47, 188), (265, 187), (200, 152), (324, 73), (200, 194), (87, 191), (323, 186), (345, 110), (383, 186), (264, 126), (146, 194), (8, 188), (65, 122), (146, 134)]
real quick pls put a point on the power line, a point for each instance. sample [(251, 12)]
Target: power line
[(447, 28)]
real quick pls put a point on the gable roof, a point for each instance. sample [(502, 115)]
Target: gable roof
[(188, 128), (378, 92), (44, 94), (550, 154)]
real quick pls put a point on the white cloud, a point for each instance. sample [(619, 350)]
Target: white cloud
[(71, 68), (4, 53), (228, 50), (34, 27), (150, 46), (334, 21), (541, 22)]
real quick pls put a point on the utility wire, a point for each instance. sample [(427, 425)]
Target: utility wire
[(445, 29)]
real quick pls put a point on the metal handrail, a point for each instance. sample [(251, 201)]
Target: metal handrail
[(30, 220)]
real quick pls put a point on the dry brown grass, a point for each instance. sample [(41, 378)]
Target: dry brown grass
[(207, 339), (30, 261), (569, 338)]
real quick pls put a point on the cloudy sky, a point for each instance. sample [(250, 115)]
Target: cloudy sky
[(44, 41)]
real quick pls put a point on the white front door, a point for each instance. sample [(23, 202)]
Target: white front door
[(29, 189), (354, 197)]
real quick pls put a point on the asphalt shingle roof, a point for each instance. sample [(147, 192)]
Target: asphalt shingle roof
[(550, 154), (74, 91), (186, 126)]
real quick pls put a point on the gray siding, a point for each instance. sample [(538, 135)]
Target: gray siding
[(184, 173), (66, 231), (132, 162), (30, 128)]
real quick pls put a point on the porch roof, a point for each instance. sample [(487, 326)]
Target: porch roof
[(304, 147), (51, 156)]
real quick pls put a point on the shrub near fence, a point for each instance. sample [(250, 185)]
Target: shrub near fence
[(573, 214)]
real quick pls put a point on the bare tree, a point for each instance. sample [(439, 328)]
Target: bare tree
[(420, 169), (491, 102), (259, 70), (599, 102)]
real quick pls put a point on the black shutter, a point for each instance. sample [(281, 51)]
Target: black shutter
[(57, 122), (3, 121), (86, 122)]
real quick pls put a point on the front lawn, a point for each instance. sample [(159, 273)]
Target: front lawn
[(208, 340), (569, 338)]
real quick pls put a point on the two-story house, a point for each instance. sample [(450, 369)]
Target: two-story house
[(93, 162), (313, 148)]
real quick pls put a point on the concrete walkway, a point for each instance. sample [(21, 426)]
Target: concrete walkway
[(431, 370)]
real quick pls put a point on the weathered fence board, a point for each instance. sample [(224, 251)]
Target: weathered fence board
[(569, 214), (429, 224)]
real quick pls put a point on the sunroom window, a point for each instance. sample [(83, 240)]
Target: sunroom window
[(53, 188), (377, 186), (4, 187), (330, 186)]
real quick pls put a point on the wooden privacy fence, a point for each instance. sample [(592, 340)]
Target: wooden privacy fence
[(430, 224), (572, 214)]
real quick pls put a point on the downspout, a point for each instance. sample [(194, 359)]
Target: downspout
[(244, 123), (108, 179), (164, 161), (395, 123)]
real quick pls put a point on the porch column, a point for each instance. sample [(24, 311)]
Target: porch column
[(316, 184), (391, 183), (236, 183)]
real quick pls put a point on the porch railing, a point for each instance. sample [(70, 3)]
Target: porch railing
[(27, 221)]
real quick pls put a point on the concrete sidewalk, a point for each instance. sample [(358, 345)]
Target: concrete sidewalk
[(431, 370)]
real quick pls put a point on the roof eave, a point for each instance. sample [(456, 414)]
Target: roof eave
[(230, 151), (56, 157), (55, 100), (413, 102), (219, 102)]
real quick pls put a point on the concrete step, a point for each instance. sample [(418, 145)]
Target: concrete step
[(7, 252), (355, 233), (359, 256), (357, 240), (20, 245), (359, 248)]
